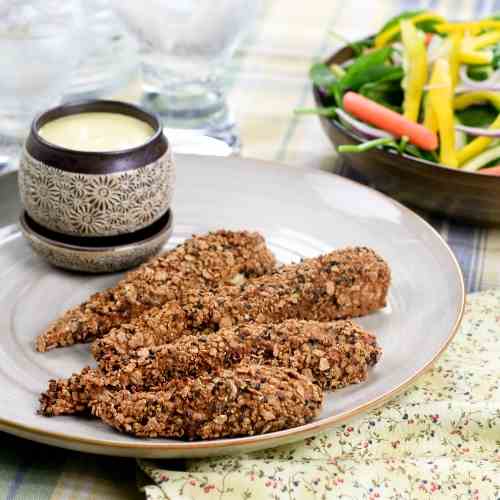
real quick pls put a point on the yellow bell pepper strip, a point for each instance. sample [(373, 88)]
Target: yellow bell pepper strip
[(454, 56), (481, 160), (472, 27), (453, 49), (430, 120), (470, 52), (383, 39), (476, 56), (463, 101), (415, 55), (441, 101), (485, 40), (477, 145)]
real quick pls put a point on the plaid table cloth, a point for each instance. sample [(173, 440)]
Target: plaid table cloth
[(268, 79)]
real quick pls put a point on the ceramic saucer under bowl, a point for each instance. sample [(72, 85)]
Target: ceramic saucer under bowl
[(99, 254)]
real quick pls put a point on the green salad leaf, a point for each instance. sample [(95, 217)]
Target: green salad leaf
[(429, 26), (368, 74), (479, 72), (369, 67), (386, 92), (322, 76), (481, 115), (495, 63), (421, 153)]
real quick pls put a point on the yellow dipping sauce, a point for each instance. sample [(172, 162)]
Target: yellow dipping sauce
[(96, 132)]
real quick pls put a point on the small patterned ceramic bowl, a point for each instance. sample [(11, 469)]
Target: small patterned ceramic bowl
[(97, 255), (90, 194)]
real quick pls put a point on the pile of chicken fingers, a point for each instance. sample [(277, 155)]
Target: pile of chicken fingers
[(214, 339)]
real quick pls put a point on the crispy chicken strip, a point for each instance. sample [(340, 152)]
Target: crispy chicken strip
[(332, 354), (202, 262), (242, 401), (71, 395), (342, 284)]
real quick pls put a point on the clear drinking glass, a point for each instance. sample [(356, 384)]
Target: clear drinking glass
[(40, 43), (186, 46)]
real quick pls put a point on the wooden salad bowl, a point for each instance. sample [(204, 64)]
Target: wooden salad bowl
[(467, 196)]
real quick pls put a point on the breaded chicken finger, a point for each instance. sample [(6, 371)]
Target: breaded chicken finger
[(202, 262), (332, 354), (342, 284), (242, 401)]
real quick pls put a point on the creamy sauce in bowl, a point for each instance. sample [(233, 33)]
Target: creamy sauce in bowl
[(97, 131)]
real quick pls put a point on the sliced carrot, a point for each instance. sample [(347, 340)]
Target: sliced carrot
[(428, 38), (490, 171), (384, 118)]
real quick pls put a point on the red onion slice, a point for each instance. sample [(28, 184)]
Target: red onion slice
[(361, 127), (490, 84), (485, 132), (462, 89)]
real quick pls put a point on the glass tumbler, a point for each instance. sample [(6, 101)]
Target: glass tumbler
[(110, 58), (40, 43), (185, 48)]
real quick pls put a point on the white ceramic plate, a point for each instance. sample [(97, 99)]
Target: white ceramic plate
[(302, 213)]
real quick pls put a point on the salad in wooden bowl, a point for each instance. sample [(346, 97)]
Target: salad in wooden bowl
[(416, 108)]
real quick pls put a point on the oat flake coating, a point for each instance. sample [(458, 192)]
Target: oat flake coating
[(242, 401), (203, 262), (342, 284), (332, 354)]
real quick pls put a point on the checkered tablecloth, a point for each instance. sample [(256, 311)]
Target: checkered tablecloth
[(268, 80)]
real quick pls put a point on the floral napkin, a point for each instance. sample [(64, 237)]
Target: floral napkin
[(441, 438)]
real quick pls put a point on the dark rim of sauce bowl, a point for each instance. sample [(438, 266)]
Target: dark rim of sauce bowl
[(97, 162)]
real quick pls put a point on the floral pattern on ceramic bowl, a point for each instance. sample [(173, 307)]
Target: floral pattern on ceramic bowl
[(91, 204)]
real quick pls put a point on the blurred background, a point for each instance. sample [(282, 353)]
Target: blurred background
[(211, 70)]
